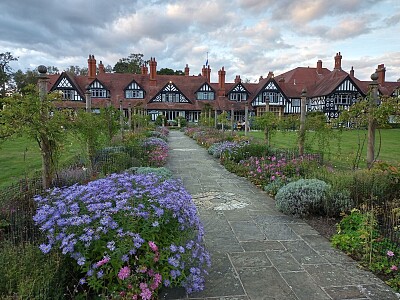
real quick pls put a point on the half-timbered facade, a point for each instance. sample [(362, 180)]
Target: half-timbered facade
[(187, 96)]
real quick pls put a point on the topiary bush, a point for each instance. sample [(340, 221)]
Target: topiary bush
[(302, 198)]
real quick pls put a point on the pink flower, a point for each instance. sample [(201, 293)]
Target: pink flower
[(393, 268), (153, 246), (105, 260), (390, 253), (124, 273)]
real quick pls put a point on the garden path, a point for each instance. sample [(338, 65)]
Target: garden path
[(256, 251)]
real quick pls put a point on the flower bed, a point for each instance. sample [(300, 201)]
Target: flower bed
[(129, 235)]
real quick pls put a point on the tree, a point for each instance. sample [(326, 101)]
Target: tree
[(359, 115), (223, 120), (5, 71), (130, 64), (269, 121), (22, 80), (77, 70), (91, 130), (35, 115)]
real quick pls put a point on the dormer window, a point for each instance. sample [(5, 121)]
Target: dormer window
[(68, 90), (238, 93), (205, 93), (238, 97), (170, 93), (98, 90), (134, 91)]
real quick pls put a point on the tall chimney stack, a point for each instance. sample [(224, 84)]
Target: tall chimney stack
[(352, 71), (101, 68), (221, 82), (319, 67), (208, 74), (187, 70), (91, 67), (237, 79), (153, 71), (381, 70), (338, 61)]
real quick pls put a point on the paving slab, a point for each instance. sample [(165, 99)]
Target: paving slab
[(256, 251)]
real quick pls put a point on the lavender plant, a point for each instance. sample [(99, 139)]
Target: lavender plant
[(129, 234)]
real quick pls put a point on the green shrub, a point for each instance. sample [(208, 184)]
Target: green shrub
[(337, 201), (374, 186), (26, 273), (249, 150), (236, 168), (163, 172), (116, 162), (302, 197), (273, 187), (354, 233)]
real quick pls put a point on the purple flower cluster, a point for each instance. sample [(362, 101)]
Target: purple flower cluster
[(226, 148), (123, 218)]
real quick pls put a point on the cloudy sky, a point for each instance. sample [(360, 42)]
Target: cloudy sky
[(247, 37)]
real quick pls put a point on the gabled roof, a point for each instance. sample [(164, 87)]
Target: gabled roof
[(328, 83)]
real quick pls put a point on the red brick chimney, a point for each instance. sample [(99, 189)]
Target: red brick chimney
[(208, 74), (270, 74), (91, 67), (144, 69), (153, 71), (319, 67), (204, 71), (101, 68), (352, 71), (237, 79), (221, 82), (187, 70), (381, 70), (338, 61)]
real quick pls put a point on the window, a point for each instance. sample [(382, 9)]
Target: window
[(296, 102), (170, 93), (70, 95), (205, 95), (99, 93), (133, 94), (238, 97), (134, 91)]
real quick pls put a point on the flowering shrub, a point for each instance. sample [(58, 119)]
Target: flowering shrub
[(358, 235), (129, 234), (224, 148), (156, 150), (263, 170)]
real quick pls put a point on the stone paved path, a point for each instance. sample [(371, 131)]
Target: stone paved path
[(258, 252)]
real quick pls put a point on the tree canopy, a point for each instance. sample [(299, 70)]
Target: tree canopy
[(130, 64), (5, 71), (168, 71)]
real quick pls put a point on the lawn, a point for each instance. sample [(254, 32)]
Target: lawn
[(342, 146), (20, 157)]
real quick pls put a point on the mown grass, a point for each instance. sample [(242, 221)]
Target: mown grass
[(20, 157), (341, 149)]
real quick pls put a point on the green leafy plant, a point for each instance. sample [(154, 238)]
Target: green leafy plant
[(302, 197), (29, 274)]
